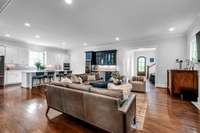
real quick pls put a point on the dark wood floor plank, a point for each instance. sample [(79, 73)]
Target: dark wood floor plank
[(23, 111)]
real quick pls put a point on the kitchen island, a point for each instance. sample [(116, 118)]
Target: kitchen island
[(27, 77)]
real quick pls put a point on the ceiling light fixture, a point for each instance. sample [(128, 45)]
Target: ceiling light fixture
[(117, 38), (171, 29), (63, 43), (27, 24), (37, 36), (7, 35), (85, 44), (69, 2)]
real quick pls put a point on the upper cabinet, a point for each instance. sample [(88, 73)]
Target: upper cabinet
[(91, 56), (102, 57), (16, 55)]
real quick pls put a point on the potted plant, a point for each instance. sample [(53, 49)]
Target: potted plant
[(38, 65)]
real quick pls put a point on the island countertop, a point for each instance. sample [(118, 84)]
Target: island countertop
[(34, 71), (27, 76)]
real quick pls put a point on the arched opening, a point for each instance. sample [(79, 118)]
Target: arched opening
[(141, 66)]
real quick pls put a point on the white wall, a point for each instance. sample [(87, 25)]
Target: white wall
[(195, 28), (77, 61), (167, 50), (148, 54), (18, 53)]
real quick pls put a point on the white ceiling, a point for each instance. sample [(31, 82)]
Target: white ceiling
[(95, 21)]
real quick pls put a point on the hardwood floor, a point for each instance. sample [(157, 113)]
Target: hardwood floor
[(23, 111)]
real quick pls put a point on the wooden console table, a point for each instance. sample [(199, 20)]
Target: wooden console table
[(179, 80)]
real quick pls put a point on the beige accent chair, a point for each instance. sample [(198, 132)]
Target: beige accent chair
[(138, 84), (102, 108)]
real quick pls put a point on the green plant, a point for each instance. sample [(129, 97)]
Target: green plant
[(38, 65), (42, 67)]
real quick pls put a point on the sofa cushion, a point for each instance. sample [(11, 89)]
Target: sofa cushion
[(79, 86), (106, 92), (137, 82), (140, 78), (134, 78), (62, 84)]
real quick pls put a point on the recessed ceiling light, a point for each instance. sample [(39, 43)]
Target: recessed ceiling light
[(69, 2), (27, 24), (63, 43), (7, 35), (117, 38), (85, 44), (171, 29), (37, 36)]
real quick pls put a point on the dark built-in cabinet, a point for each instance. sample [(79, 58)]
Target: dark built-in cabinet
[(91, 57), (90, 61), (106, 57), (2, 70), (94, 58), (102, 57)]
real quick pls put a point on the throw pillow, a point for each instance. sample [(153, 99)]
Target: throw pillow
[(100, 84), (126, 88), (66, 80), (91, 77), (76, 79)]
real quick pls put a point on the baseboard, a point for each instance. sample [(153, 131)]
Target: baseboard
[(14, 84), (196, 104), (161, 86)]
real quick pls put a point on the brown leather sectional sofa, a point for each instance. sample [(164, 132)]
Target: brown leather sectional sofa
[(102, 108)]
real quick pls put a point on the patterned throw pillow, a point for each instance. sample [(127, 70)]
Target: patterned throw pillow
[(91, 77)]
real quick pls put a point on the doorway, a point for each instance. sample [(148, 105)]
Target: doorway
[(141, 66)]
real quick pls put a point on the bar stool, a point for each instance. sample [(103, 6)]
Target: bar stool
[(38, 77), (50, 76), (61, 74), (69, 73)]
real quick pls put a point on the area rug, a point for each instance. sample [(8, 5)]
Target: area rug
[(141, 108)]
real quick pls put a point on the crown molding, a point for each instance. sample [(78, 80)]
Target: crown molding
[(4, 41), (141, 40)]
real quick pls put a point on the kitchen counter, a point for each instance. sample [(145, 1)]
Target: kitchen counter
[(28, 74)]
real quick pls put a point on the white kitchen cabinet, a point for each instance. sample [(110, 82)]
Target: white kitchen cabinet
[(2, 50), (16, 55), (13, 77)]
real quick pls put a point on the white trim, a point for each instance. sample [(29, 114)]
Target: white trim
[(196, 104), (160, 86)]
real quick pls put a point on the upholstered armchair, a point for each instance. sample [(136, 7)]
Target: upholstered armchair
[(138, 84)]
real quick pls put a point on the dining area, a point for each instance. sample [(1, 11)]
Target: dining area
[(34, 78)]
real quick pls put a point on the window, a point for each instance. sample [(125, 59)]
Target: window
[(141, 66), (193, 50), (35, 56)]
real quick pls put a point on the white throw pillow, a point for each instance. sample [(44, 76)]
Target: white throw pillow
[(66, 80)]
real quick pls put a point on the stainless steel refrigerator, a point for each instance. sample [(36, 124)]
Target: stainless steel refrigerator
[(2, 70)]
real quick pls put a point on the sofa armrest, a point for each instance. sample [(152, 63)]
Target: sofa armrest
[(129, 113), (128, 104)]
